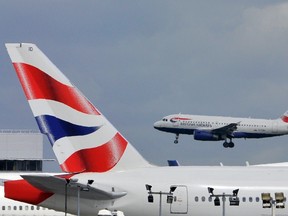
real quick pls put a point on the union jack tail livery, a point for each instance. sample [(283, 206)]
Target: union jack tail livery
[(82, 138), (285, 117)]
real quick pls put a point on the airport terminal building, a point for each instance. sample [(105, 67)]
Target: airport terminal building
[(21, 150)]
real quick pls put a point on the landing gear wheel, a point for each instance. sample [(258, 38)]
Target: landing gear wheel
[(231, 145), (225, 144), (176, 139)]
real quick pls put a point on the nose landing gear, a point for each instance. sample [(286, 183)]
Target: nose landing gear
[(176, 139)]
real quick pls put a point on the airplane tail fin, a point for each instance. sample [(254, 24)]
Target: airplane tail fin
[(285, 117), (81, 137)]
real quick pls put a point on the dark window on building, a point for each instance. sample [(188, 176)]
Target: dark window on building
[(20, 165)]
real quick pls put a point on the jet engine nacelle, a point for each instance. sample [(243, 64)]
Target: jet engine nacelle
[(206, 136)]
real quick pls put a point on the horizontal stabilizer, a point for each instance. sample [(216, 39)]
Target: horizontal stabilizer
[(57, 185)]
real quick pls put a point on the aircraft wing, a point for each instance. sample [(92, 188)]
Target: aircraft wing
[(226, 130), (57, 185)]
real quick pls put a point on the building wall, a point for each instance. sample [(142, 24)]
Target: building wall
[(21, 144)]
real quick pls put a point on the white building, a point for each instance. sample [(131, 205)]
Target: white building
[(21, 150)]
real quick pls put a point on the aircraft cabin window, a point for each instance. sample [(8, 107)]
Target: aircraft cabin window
[(15, 208), (243, 199), (196, 199), (250, 199), (32, 207), (9, 208), (26, 208), (38, 208), (203, 199), (210, 199), (257, 199), (3, 207), (20, 208)]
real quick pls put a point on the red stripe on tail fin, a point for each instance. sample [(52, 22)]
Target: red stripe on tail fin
[(98, 159), (38, 85), (285, 117)]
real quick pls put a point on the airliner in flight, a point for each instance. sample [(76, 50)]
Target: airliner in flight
[(214, 128), (104, 171)]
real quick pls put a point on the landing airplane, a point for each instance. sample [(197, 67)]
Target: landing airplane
[(214, 128), (104, 171)]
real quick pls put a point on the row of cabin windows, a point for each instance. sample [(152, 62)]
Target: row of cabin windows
[(203, 199), (248, 125), (26, 208), (217, 123), (244, 199)]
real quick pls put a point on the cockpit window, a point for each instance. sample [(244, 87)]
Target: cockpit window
[(164, 119)]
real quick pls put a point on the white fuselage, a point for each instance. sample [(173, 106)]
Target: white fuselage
[(191, 196), (246, 127)]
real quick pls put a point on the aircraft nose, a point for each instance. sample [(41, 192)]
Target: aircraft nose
[(157, 125)]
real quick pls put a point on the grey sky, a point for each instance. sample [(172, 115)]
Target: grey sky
[(140, 60)]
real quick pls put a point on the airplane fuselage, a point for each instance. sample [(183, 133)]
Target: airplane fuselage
[(191, 196), (214, 128)]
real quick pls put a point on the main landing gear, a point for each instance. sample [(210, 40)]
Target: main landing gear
[(229, 144), (176, 139)]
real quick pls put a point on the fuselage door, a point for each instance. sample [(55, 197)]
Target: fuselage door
[(180, 200)]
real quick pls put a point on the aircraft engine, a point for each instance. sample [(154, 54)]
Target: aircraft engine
[(206, 136)]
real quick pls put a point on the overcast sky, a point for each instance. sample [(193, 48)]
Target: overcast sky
[(138, 61)]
